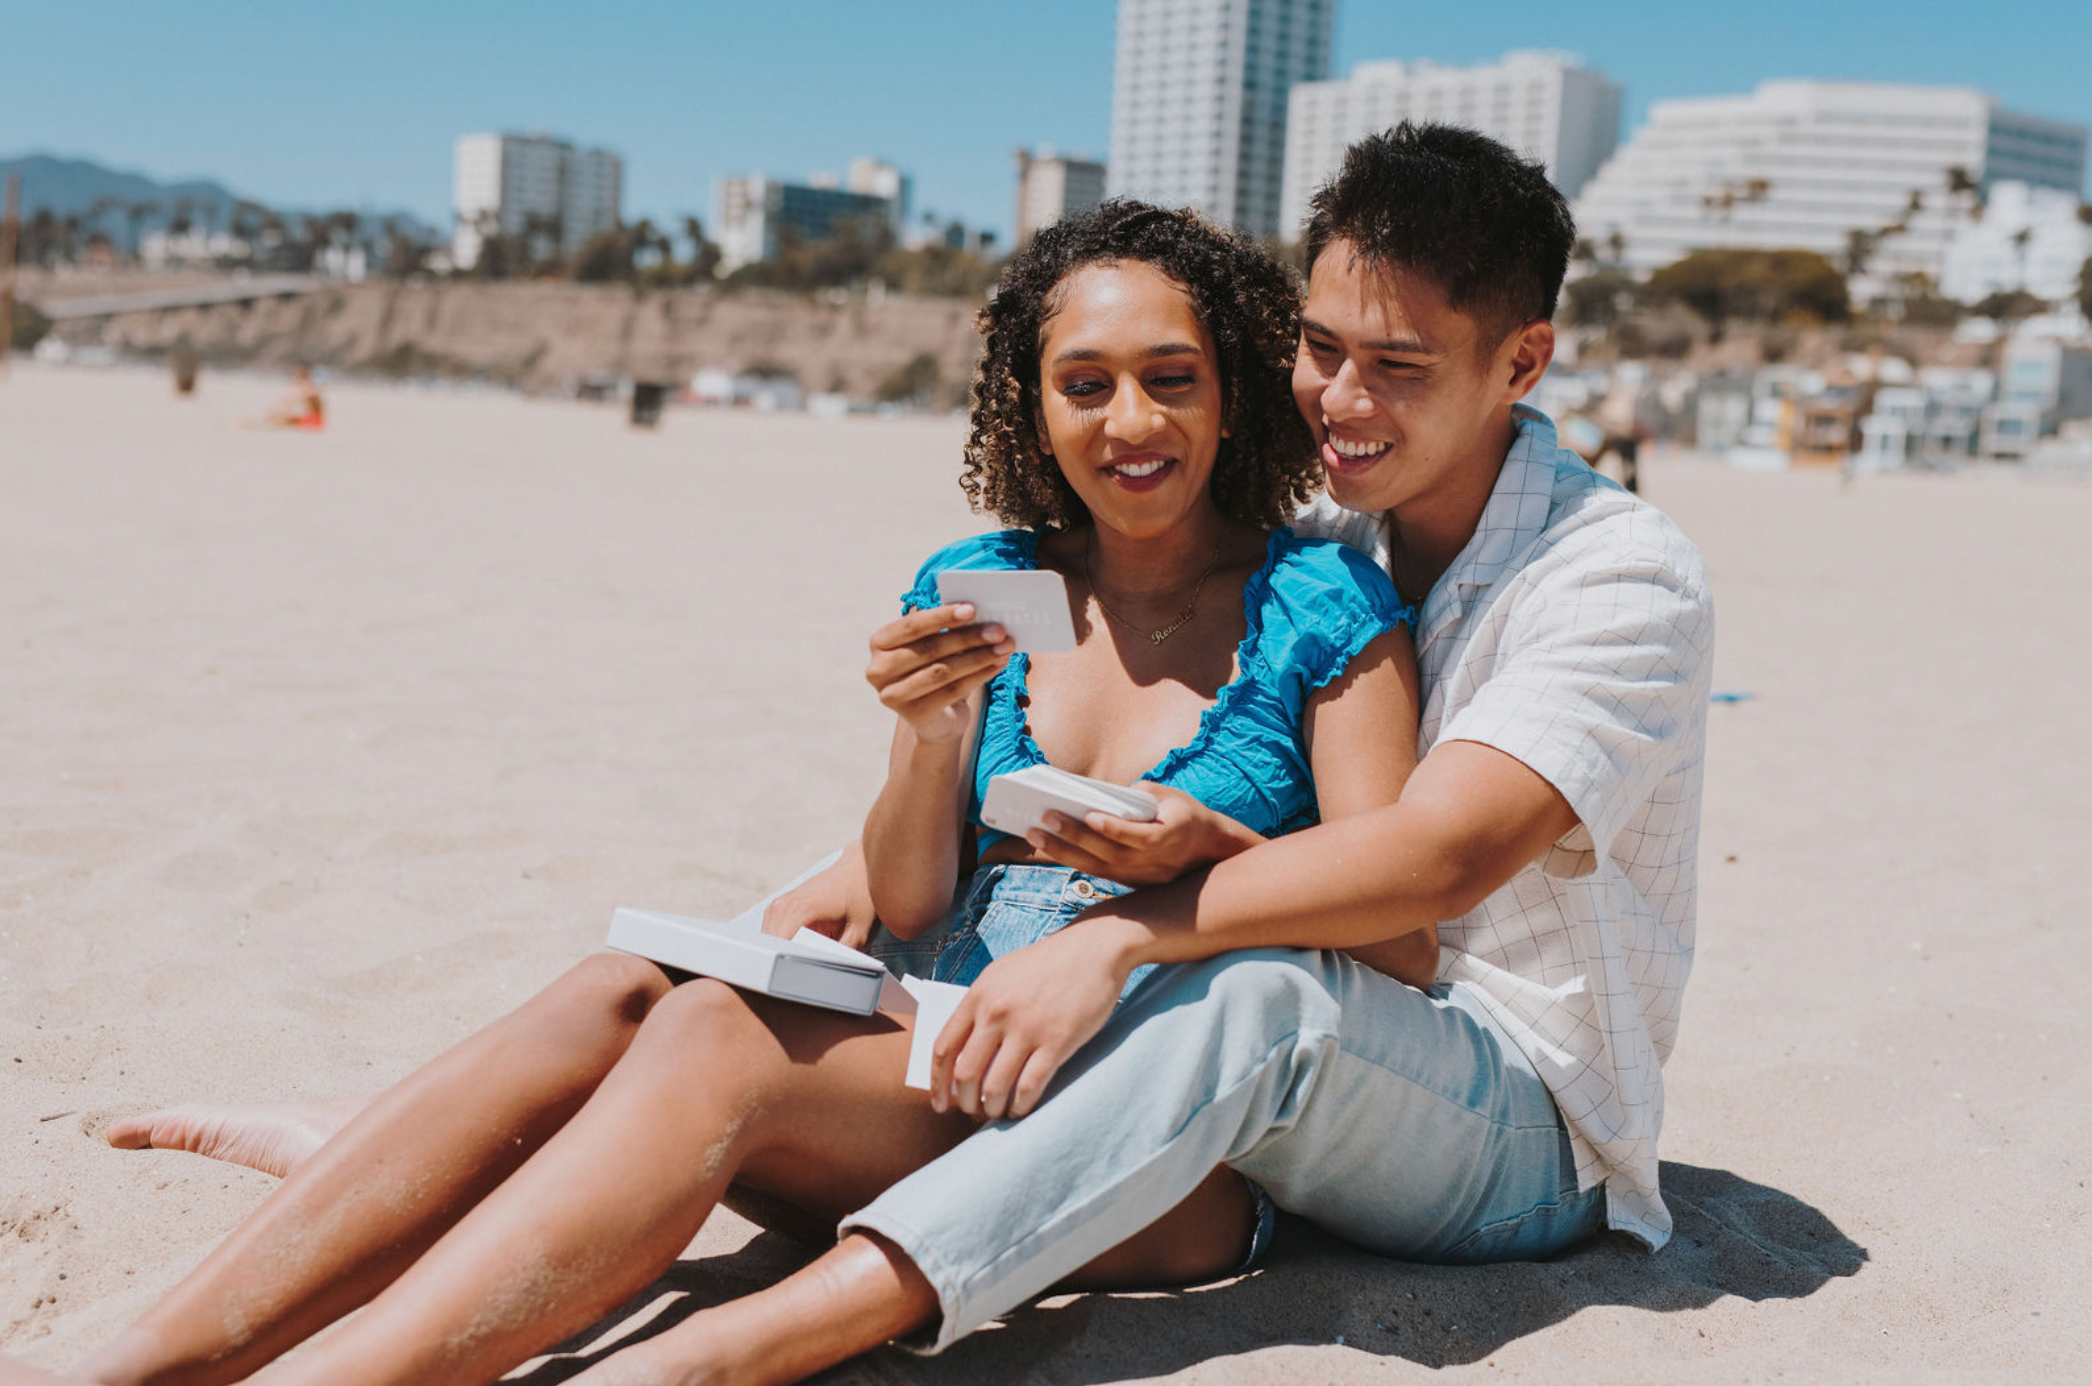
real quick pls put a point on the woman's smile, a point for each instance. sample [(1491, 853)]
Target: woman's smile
[(1143, 472)]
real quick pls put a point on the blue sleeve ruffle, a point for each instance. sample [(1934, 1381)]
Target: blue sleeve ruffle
[(1326, 603), (1006, 548)]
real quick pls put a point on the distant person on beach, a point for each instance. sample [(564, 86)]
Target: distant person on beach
[(1507, 1110), (300, 406), (1615, 428)]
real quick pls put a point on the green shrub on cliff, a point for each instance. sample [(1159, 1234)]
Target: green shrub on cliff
[(1759, 286)]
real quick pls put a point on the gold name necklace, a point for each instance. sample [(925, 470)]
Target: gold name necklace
[(1183, 618)]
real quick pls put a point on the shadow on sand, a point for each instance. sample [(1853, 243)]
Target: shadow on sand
[(1733, 1238)]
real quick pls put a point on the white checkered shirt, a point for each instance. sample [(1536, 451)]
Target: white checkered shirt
[(1575, 632)]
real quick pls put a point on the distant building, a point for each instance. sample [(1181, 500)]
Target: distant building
[(1809, 165), (2028, 239), (755, 215), (2044, 383), (1547, 106), (881, 179), (533, 186), (1198, 103), (1050, 187)]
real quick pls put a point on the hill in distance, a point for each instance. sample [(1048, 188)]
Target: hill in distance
[(73, 187)]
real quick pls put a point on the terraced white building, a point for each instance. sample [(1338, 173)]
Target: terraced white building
[(1806, 164)]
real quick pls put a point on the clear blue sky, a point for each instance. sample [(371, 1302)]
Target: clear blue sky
[(330, 105)]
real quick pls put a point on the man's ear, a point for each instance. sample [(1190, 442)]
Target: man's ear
[(1524, 357)]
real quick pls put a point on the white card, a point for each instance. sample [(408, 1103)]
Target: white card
[(1031, 604), (934, 1004)]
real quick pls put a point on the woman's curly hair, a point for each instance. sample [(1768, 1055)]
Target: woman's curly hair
[(1247, 301)]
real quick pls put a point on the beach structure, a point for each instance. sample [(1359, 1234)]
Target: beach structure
[(534, 186), (2044, 382), (1875, 176), (1933, 422), (1198, 101), (755, 214), (1051, 186), (2029, 239), (1546, 105)]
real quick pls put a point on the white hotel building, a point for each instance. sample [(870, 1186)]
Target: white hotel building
[(1547, 106), (522, 181), (1803, 164), (1198, 101)]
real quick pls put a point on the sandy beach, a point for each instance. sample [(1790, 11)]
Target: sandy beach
[(319, 752)]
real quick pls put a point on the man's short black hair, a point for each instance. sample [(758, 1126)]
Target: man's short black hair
[(1460, 209)]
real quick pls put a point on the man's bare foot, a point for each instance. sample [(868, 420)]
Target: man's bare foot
[(274, 1138)]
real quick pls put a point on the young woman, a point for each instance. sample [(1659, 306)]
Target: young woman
[(1133, 416)]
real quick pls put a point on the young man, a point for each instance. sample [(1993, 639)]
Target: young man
[(1564, 640)]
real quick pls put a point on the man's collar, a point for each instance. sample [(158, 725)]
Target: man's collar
[(1515, 515)]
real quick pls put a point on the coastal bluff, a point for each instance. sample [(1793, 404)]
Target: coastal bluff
[(549, 335)]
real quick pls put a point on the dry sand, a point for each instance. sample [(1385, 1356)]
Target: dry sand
[(317, 752)]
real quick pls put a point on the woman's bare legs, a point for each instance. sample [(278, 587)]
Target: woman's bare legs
[(864, 1293), (790, 1115), (358, 1212), (805, 1104)]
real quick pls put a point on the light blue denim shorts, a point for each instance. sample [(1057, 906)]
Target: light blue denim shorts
[(1008, 907)]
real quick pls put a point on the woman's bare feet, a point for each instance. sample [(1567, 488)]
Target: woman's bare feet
[(273, 1137)]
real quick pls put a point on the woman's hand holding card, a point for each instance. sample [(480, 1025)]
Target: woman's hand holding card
[(1184, 837), (926, 664)]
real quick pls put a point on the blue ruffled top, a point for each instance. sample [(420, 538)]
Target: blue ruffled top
[(1309, 609)]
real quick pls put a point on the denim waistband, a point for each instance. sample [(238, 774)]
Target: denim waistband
[(1020, 883)]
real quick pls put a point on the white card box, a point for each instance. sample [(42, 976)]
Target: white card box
[(1015, 802), (835, 977)]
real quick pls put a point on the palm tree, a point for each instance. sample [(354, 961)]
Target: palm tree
[(98, 209), (704, 255), (2019, 247), (1859, 249), (649, 241), (137, 213), (544, 239), (1960, 185)]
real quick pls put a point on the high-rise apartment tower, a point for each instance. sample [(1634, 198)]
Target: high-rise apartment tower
[(534, 186), (1198, 101)]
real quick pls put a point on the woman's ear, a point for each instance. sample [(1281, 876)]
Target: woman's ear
[(1038, 421)]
